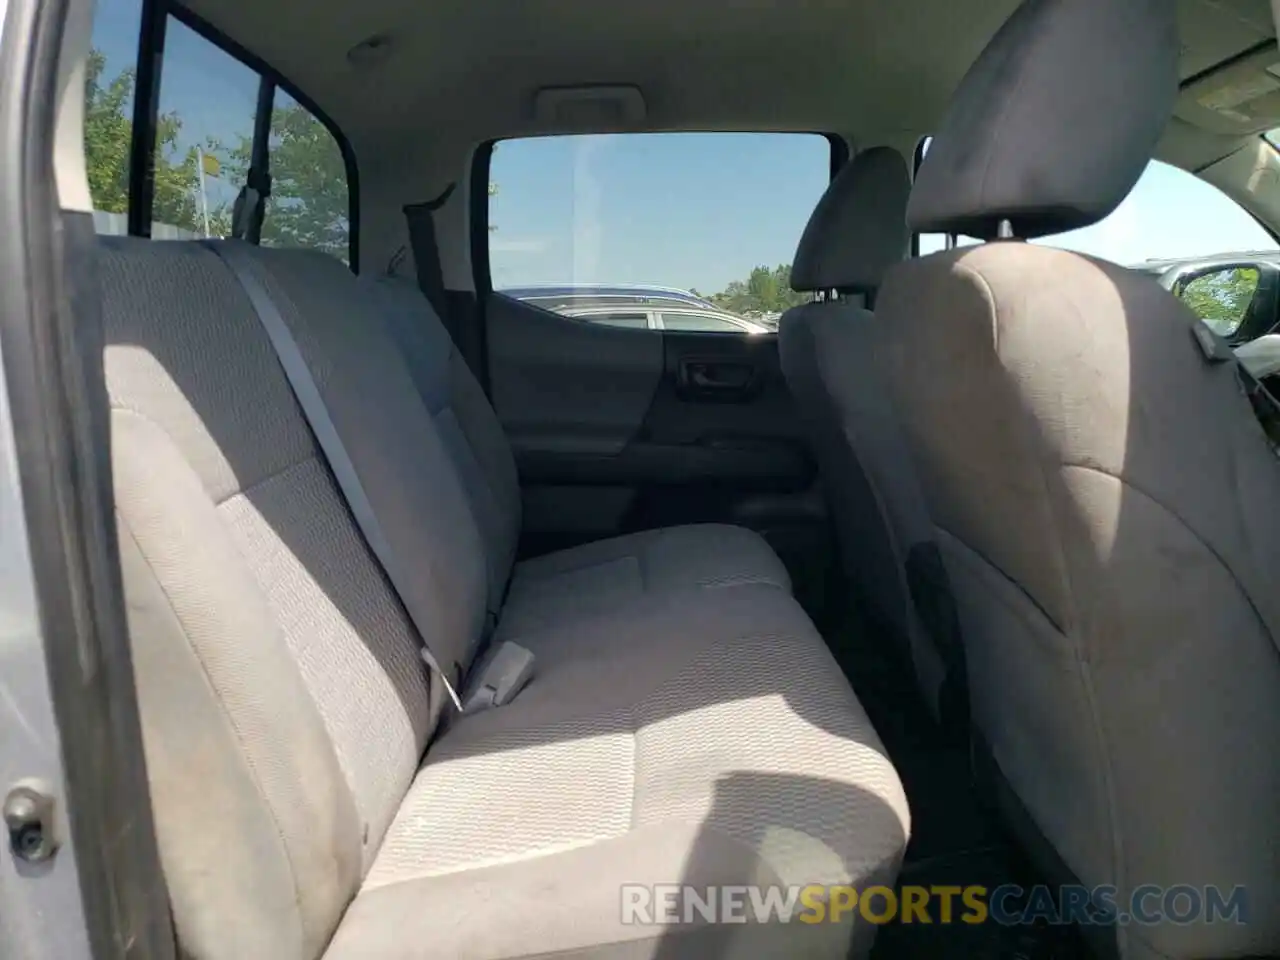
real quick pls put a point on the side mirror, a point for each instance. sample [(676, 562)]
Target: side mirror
[(1221, 296)]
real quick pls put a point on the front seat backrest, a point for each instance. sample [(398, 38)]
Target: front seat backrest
[(1106, 504), (828, 352)]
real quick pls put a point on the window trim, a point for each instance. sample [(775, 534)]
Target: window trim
[(917, 158), (482, 276), (149, 68), (601, 315), (146, 111), (741, 325)]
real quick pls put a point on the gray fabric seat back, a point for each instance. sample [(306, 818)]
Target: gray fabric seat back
[(464, 419), (829, 352), (1106, 504), (283, 702)]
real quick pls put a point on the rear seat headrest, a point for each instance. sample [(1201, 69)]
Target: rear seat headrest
[(1055, 121), (859, 227)]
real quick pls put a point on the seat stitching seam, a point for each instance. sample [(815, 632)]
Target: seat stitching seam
[(235, 729), (559, 850), (578, 567), (1189, 528), (496, 862), (273, 475), (1035, 604), (151, 421), (1083, 666), (1088, 689)]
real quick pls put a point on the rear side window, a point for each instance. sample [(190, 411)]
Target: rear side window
[(632, 321), (110, 81), (699, 321), (219, 125), (208, 103), (310, 198), (712, 216)]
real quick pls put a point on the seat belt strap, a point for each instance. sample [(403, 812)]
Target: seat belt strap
[(420, 219), (335, 453), (458, 310), (249, 208)]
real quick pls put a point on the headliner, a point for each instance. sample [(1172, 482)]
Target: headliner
[(865, 68)]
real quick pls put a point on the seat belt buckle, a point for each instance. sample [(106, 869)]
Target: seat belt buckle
[(503, 674), (429, 659)]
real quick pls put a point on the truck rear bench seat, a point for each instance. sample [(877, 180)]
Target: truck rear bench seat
[(593, 576), (685, 722)]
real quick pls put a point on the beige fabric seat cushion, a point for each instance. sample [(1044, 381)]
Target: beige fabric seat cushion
[(1106, 505), (595, 578), (474, 466), (707, 742), (285, 709), (569, 583)]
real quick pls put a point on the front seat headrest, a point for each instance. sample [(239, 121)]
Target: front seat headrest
[(1055, 121), (858, 229)]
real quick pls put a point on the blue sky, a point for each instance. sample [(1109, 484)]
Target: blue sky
[(1170, 213), (685, 210), (700, 210), (213, 93)]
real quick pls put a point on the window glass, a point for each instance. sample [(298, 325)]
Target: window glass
[(1170, 214), (634, 321), (208, 100), (309, 204), (699, 321), (1193, 239), (108, 117), (204, 142), (715, 215), (1174, 225)]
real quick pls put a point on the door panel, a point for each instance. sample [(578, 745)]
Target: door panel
[(618, 430), (568, 387)]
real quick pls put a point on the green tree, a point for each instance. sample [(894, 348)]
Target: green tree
[(733, 298), (762, 287), (1221, 299), (766, 290), (108, 132), (309, 204)]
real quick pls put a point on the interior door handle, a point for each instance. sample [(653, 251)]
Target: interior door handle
[(721, 379)]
